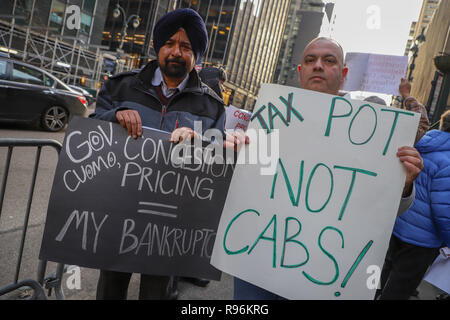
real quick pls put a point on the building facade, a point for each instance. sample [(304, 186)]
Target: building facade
[(74, 39), (137, 42), (254, 49), (303, 24), (426, 15), (410, 41), (61, 36), (419, 26), (55, 15), (219, 18), (431, 86), (245, 38)]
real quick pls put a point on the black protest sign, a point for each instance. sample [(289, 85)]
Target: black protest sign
[(126, 205)]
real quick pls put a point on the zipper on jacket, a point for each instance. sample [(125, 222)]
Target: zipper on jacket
[(163, 114)]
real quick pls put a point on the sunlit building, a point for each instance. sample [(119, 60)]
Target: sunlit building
[(304, 23), (137, 42)]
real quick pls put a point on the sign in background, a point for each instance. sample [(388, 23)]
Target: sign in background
[(312, 228), (121, 204), (237, 118), (438, 273), (374, 72)]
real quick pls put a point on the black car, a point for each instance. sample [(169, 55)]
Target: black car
[(89, 97), (30, 94)]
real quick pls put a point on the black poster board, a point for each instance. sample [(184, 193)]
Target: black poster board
[(124, 205)]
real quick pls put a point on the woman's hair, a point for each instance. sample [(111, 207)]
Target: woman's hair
[(445, 121)]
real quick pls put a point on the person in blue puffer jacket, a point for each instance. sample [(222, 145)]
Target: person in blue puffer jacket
[(425, 227)]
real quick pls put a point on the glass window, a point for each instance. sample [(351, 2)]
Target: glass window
[(86, 21), (22, 8), (48, 81), (3, 65), (89, 6), (27, 75), (57, 12), (60, 86)]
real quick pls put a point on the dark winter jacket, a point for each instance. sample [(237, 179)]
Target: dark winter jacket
[(427, 222), (133, 90)]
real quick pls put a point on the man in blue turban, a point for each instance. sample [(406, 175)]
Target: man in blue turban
[(167, 95)]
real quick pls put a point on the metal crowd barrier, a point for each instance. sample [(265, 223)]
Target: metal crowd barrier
[(51, 281)]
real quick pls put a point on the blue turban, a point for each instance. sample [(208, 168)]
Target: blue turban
[(191, 22)]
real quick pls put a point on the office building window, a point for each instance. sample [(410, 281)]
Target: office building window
[(86, 21), (89, 6), (57, 12)]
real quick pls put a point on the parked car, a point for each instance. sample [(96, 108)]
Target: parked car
[(30, 94), (90, 98)]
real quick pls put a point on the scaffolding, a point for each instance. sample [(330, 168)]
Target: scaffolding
[(68, 58)]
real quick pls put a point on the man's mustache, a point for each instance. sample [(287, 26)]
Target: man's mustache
[(175, 61)]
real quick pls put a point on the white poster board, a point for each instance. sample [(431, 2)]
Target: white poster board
[(374, 72), (439, 271), (237, 118), (315, 226)]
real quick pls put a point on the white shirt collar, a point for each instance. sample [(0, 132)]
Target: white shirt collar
[(158, 79)]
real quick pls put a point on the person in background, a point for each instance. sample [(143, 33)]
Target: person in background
[(214, 78), (375, 99), (407, 202), (425, 227), (411, 104)]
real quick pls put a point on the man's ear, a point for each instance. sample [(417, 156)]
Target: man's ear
[(344, 72)]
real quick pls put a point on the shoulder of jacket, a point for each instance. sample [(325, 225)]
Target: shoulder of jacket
[(210, 92), (124, 74)]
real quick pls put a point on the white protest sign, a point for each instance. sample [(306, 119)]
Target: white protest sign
[(237, 118), (374, 72), (438, 272), (311, 228)]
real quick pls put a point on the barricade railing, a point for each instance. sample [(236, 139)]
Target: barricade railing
[(51, 281)]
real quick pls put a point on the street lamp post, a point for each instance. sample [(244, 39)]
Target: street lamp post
[(118, 11), (415, 50)]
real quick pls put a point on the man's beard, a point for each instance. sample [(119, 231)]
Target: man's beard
[(174, 70)]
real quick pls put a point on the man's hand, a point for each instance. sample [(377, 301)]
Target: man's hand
[(130, 120), (236, 140), (413, 105), (404, 88), (182, 134), (413, 163)]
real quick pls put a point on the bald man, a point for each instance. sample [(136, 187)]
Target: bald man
[(323, 70)]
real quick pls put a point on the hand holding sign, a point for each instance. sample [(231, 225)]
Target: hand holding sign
[(237, 118), (235, 140), (404, 88), (130, 120), (183, 134), (312, 228), (127, 205), (413, 163), (374, 72)]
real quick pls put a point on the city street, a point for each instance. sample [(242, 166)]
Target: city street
[(12, 218)]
